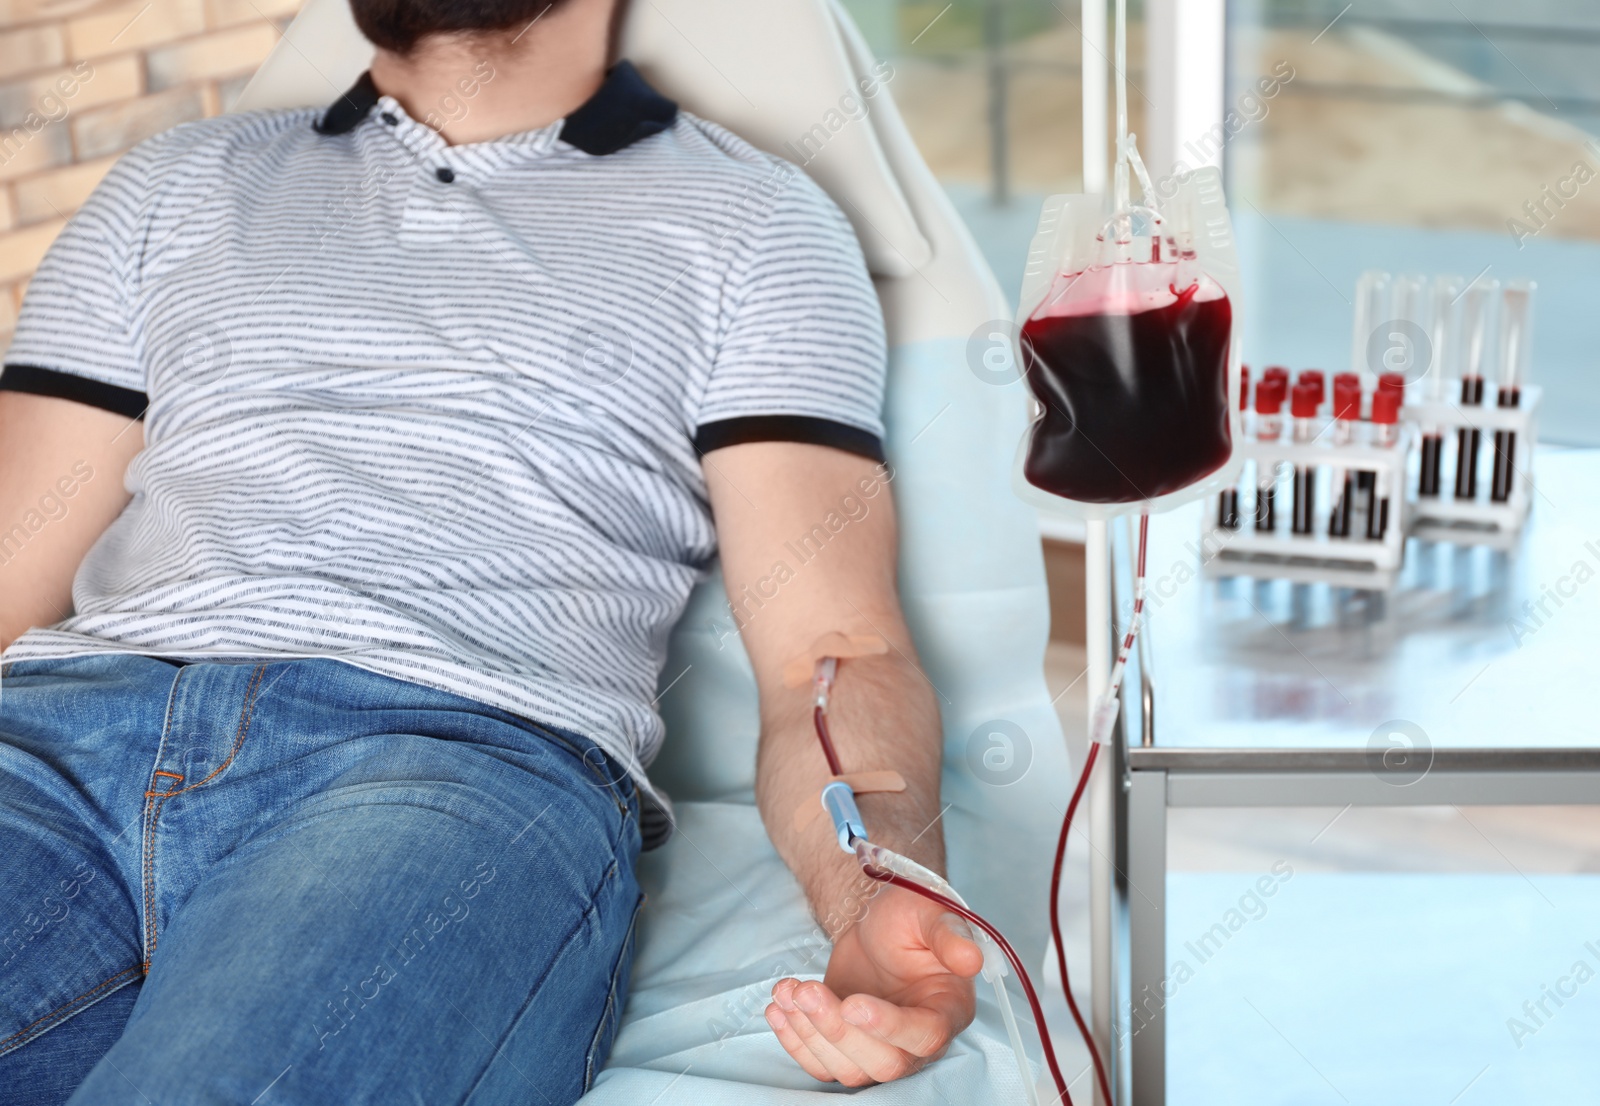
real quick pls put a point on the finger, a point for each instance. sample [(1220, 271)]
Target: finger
[(794, 1046), (803, 1020), (820, 1054), (783, 992), (860, 1047), (922, 1031), (951, 941)]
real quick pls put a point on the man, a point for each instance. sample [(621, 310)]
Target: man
[(360, 462)]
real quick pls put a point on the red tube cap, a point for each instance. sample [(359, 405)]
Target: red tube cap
[(1276, 372), (1347, 396), (1269, 396), (1315, 376), (1386, 405), (1392, 382), (1305, 399)]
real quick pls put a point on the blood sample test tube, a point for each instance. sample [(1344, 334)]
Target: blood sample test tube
[(1371, 308), (1476, 307), (1269, 428), (1303, 407), (1389, 381), (1278, 373), (1385, 433), (1346, 413), (1412, 349), (1515, 304), (1431, 461), (1228, 500), (1348, 384)]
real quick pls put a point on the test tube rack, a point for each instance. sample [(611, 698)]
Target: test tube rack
[(1446, 433), (1356, 561), (1452, 515)]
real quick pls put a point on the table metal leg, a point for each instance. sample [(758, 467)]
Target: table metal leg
[(1146, 1021)]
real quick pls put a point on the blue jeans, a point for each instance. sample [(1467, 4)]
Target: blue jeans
[(300, 882)]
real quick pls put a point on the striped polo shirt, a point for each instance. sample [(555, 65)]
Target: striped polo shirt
[(439, 411)]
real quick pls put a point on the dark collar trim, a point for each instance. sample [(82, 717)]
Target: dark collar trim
[(350, 109), (624, 110)]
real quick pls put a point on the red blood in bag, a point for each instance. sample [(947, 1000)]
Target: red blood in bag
[(1135, 404)]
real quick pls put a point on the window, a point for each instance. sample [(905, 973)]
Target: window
[(1429, 136), (1434, 136), (992, 92)]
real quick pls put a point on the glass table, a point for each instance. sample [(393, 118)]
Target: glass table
[(1471, 683)]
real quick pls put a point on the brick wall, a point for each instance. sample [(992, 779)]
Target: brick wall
[(83, 80)]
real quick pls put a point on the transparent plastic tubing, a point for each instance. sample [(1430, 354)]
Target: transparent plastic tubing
[(883, 876), (1055, 923), (1105, 717), (821, 688), (819, 715), (865, 851)]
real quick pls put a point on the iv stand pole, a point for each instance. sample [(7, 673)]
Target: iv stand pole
[(1097, 575)]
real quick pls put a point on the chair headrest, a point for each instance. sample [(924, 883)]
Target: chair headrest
[(776, 73)]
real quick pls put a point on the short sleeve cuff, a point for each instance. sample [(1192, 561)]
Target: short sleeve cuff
[(80, 389), (788, 428)]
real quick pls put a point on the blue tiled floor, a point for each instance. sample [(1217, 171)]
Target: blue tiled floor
[(1386, 989)]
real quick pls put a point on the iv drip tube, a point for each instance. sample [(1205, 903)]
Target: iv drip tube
[(1104, 719), (890, 867)]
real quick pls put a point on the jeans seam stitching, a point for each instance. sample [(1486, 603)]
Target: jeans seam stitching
[(153, 804), (611, 995), (6, 1043), (155, 800), (245, 717), (148, 858)]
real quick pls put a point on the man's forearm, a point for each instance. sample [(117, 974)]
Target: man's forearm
[(884, 716)]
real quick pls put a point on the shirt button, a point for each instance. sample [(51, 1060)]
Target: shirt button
[(390, 118), (445, 174)]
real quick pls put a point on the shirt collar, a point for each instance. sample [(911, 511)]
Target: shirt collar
[(624, 110)]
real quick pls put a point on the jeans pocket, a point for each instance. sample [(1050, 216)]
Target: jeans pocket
[(616, 998), (602, 769)]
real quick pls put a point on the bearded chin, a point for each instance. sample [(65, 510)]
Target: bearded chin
[(398, 25)]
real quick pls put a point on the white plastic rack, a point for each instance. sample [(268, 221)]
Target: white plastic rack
[(1454, 355), (1356, 560), (1469, 511)]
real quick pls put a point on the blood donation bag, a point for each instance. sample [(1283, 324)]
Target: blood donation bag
[(1127, 344), (1129, 363)]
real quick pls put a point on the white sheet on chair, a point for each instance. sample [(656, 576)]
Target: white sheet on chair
[(725, 922)]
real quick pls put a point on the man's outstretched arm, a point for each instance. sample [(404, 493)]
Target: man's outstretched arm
[(808, 545), (61, 469)]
